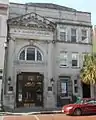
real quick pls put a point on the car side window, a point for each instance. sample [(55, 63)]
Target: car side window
[(90, 101), (95, 102)]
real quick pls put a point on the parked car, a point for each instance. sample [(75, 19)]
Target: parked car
[(82, 106)]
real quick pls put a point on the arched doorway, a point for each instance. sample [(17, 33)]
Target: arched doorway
[(29, 90), (86, 90)]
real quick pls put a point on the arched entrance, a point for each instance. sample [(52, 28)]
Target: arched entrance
[(29, 92)]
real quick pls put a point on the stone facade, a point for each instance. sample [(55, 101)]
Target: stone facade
[(63, 35), (3, 36)]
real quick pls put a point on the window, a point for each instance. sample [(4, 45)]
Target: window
[(0, 77), (63, 35), (39, 56), (75, 60), (75, 86), (90, 101), (73, 35), (84, 34), (63, 59), (22, 55), (75, 82), (1, 71), (31, 54), (64, 86), (83, 55)]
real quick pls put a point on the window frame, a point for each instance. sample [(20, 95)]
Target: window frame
[(75, 85), (64, 80), (36, 49), (82, 35), (65, 63), (27, 54), (77, 58), (1, 71), (63, 30), (74, 35)]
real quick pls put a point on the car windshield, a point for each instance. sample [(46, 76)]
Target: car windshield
[(89, 101), (79, 101)]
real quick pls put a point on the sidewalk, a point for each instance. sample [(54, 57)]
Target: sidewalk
[(31, 112)]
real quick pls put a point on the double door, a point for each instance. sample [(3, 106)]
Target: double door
[(30, 90)]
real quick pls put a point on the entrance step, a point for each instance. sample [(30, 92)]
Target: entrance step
[(34, 109), (27, 109)]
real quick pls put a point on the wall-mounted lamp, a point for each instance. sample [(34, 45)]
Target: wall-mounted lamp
[(53, 41), (52, 81), (5, 45)]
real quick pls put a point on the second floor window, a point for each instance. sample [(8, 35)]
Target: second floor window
[(75, 60), (31, 54), (73, 35), (84, 34), (63, 59), (63, 34)]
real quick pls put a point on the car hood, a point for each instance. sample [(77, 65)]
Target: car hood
[(69, 105)]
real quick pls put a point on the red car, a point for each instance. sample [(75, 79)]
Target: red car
[(83, 106)]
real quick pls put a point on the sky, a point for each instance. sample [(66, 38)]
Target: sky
[(81, 5)]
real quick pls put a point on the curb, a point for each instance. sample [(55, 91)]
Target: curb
[(29, 113)]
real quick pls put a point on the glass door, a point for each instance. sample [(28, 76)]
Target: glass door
[(29, 90)]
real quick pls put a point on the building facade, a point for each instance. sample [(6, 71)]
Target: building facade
[(3, 36), (46, 45)]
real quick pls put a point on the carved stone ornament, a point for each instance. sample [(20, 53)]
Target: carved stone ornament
[(32, 20), (31, 42)]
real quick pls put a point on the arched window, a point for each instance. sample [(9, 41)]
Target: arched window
[(31, 54)]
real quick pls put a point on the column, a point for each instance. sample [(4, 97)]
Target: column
[(10, 73), (50, 95)]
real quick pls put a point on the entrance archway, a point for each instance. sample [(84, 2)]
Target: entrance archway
[(29, 90)]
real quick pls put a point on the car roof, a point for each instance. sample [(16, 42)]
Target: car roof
[(88, 98)]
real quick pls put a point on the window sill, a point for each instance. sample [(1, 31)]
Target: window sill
[(28, 62), (66, 97), (75, 67), (74, 42), (63, 66)]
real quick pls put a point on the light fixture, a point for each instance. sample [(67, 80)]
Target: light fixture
[(52, 81), (5, 44), (9, 80)]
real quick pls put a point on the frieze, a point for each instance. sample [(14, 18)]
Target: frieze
[(31, 32)]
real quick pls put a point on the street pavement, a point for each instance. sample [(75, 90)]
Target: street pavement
[(49, 117)]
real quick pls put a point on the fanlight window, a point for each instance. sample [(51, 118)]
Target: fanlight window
[(31, 54)]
